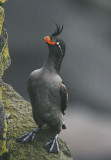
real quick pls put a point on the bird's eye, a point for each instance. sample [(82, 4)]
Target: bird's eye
[(57, 43)]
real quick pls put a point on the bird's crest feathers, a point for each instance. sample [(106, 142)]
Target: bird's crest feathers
[(58, 30)]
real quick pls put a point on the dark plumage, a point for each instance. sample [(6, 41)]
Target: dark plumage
[(64, 98), (48, 94)]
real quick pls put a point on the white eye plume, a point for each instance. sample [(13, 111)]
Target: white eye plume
[(58, 44)]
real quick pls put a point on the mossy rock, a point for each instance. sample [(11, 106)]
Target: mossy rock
[(4, 63), (2, 1), (5, 60), (20, 122), (2, 115)]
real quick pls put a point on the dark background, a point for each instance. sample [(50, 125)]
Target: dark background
[(86, 68)]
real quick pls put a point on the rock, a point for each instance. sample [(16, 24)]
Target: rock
[(4, 63), (3, 131), (2, 117), (22, 122), (8, 116), (19, 120), (2, 1), (5, 60)]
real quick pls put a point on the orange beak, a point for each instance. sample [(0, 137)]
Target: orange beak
[(48, 40)]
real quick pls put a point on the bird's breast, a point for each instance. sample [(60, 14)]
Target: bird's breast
[(44, 90)]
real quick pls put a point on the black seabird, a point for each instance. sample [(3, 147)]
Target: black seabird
[(47, 92)]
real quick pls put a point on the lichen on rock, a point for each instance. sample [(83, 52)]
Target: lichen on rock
[(22, 122), (4, 63), (3, 130), (5, 60), (2, 1), (2, 125)]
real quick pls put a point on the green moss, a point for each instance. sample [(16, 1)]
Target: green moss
[(4, 63), (4, 51), (2, 15), (1, 68), (22, 122), (2, 1), (3, 148)]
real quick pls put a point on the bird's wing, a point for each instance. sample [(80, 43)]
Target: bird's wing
[(64, 97)]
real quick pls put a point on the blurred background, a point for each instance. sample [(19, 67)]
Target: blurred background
[(86, 68)]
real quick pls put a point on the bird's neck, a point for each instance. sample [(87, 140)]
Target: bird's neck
[(52, 63)]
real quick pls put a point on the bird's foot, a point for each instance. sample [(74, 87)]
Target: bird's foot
[(52, 146), (26, 137), (29, 136)]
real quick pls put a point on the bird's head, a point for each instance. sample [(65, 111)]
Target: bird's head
[(55, 44)]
